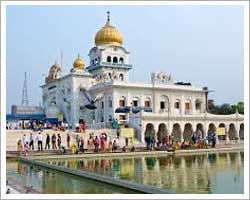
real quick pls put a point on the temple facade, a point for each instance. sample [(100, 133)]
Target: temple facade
[(101, 92)]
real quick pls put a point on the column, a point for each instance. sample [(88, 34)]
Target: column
[(182, 105), (143, 128), (182, 131), (226, 132), (217, 138), (170, 128), (205, 128), (193, 106), (237, 129), (205, 124)]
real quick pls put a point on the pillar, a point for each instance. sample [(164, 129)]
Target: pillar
[(193, 106), (170, 129), (237, 129), (226, 132), (143, 129), (182, 105), (205, 128), (182, 130)]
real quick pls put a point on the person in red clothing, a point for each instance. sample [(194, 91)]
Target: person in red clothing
[(84, 126), (96, 143)]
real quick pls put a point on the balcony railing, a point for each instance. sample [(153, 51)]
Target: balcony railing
[(116, 64)]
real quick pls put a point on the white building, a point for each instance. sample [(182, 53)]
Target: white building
[(163, 106)]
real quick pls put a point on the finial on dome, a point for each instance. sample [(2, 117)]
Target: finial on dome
[(108, 17)]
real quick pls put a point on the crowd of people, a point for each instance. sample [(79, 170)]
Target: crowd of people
[(75, 143), (168, 142), (100, 143), (36, 125)]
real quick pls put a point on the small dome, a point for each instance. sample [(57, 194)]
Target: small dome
[(54, 71), (78, 63), (108, 35)]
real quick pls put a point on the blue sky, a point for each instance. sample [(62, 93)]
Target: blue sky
[(198, 44)]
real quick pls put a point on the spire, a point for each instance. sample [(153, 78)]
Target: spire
[(25, 100), (108, 17)]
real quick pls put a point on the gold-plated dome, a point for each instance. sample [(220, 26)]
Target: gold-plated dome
[(78, 63), (108, 35)]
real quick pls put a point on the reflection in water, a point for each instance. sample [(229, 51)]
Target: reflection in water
[(205, 173), (54, 182)]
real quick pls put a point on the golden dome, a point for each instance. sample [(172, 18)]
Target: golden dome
[(78, 63), (108, 35)]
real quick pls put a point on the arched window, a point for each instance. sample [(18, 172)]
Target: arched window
[(135, 101), (147, 102), (96, 60), (122, 101), (121, 77), (164, 103), (188, 106), (121, 60), (109, 59), (198, 105), (177, 105), (115, 60)]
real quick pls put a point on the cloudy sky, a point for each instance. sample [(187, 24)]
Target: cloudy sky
[(198, 44)]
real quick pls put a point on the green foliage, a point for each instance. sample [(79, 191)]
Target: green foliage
[(239, 106), (226, 109)]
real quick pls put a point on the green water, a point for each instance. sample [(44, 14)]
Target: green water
[(206, 173), (54, 182)]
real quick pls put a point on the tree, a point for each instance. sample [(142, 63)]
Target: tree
[(226, 109), (239, 106)]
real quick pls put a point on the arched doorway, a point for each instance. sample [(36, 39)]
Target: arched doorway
[(241, 133), (199, 128), (211, 128), (176, 133), (222, 137), (150, 130), (188, 131), (232, 135), (162, 131)]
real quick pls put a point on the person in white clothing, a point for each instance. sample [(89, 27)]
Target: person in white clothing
[(40, 141), (25, 139)]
